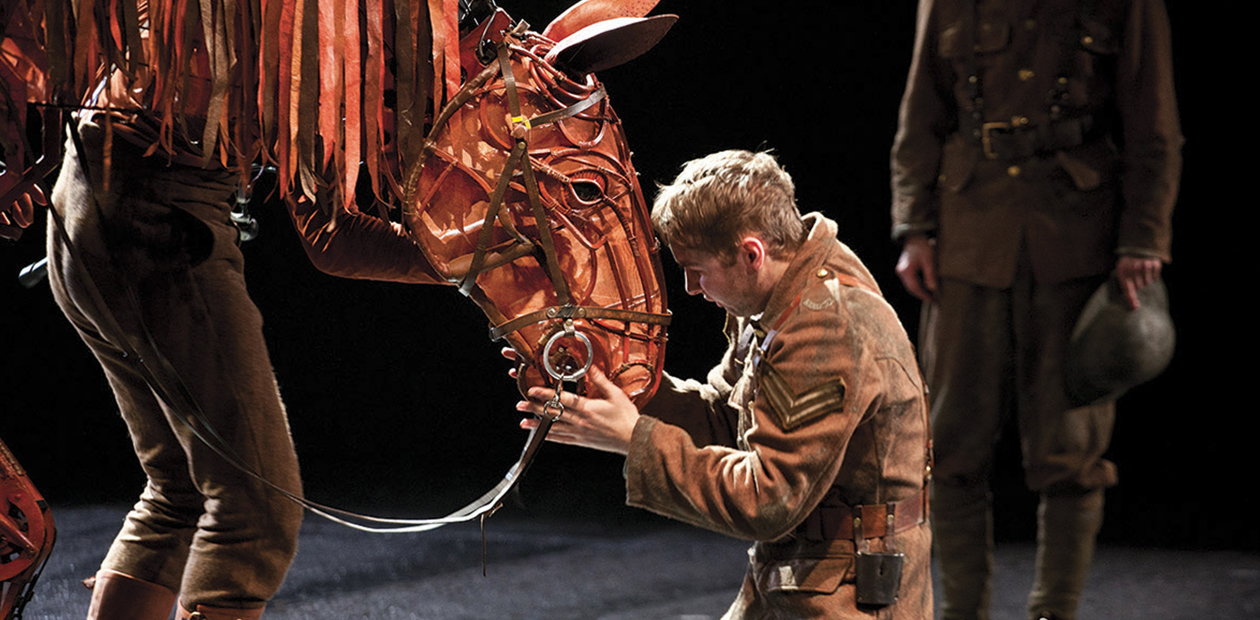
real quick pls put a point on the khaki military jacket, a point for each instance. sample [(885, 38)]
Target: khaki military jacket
[(1066, 144), (819, 397)]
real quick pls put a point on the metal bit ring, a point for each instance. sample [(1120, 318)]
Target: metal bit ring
[(571, 332)]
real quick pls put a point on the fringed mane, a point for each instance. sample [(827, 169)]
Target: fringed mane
[(301, 85)]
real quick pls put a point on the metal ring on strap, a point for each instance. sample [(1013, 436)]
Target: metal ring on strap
[(570, 332)]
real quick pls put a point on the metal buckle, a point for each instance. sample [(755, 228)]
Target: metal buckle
[(985, 142)]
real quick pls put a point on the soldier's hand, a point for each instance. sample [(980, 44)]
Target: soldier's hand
[(1134, 273), (510, 353), (603, 420), (917, 267)]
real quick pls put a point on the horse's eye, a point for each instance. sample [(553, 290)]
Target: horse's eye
[(587, 191)]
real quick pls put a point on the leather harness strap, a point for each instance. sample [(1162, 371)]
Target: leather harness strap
[(519, 158), (1018, 138), (577, 312)]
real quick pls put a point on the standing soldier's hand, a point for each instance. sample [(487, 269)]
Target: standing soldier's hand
[(917, 267), (1134, 274)]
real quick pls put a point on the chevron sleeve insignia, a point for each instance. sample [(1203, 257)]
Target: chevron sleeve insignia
[(792, 410)]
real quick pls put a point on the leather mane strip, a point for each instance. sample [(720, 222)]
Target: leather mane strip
[(297, 84)]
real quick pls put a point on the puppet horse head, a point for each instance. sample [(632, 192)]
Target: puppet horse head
[(525, 197)]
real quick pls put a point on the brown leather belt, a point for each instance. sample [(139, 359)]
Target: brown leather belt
[(1018, 139), (839, 521)]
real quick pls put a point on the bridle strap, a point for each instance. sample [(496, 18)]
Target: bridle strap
[(475, 268), (518, 158), (573, 110), (577, 312)]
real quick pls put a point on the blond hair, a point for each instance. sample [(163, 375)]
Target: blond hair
[(720, 198)]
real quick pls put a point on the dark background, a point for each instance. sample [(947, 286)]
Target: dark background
[(400, 403)]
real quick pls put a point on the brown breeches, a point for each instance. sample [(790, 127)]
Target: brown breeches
[(160, 246), (993, 353)]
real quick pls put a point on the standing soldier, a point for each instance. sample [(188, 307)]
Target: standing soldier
[(1038, 152)]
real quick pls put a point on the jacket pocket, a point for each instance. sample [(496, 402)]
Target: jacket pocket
[(1098, 37), (956, 41), (1099, 50)]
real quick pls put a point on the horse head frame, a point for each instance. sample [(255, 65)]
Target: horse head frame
[(524, 195)]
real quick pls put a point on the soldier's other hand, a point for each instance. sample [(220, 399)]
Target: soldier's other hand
[(917, 267), (1134, 273), (19, 213), (603, 420), (510, 353)]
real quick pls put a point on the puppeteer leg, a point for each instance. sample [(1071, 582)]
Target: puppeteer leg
[(160, 247), (116, 596)]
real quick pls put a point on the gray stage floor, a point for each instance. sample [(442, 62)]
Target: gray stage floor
[(655, 571)]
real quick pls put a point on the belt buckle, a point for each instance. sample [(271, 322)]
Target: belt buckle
[(986, 142)]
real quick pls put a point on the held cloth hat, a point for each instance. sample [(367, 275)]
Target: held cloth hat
[(1114, 349)]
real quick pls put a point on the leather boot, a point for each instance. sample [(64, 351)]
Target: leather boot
[(1067, 526), (116, 596), (962, 537), (205, 612)]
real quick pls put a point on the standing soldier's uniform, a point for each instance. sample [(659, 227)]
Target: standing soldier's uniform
[(1039, 142)]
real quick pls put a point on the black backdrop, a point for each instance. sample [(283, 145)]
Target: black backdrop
[(399, 402)]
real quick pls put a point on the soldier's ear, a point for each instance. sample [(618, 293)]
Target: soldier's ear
[(752, 252)]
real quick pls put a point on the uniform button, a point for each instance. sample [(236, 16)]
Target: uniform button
[(1019, 121), (1013, 171), (1026, 74), (822, 273), (1087, 40)]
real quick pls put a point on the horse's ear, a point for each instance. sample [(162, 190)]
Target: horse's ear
[(588, 12), (609, 43)]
